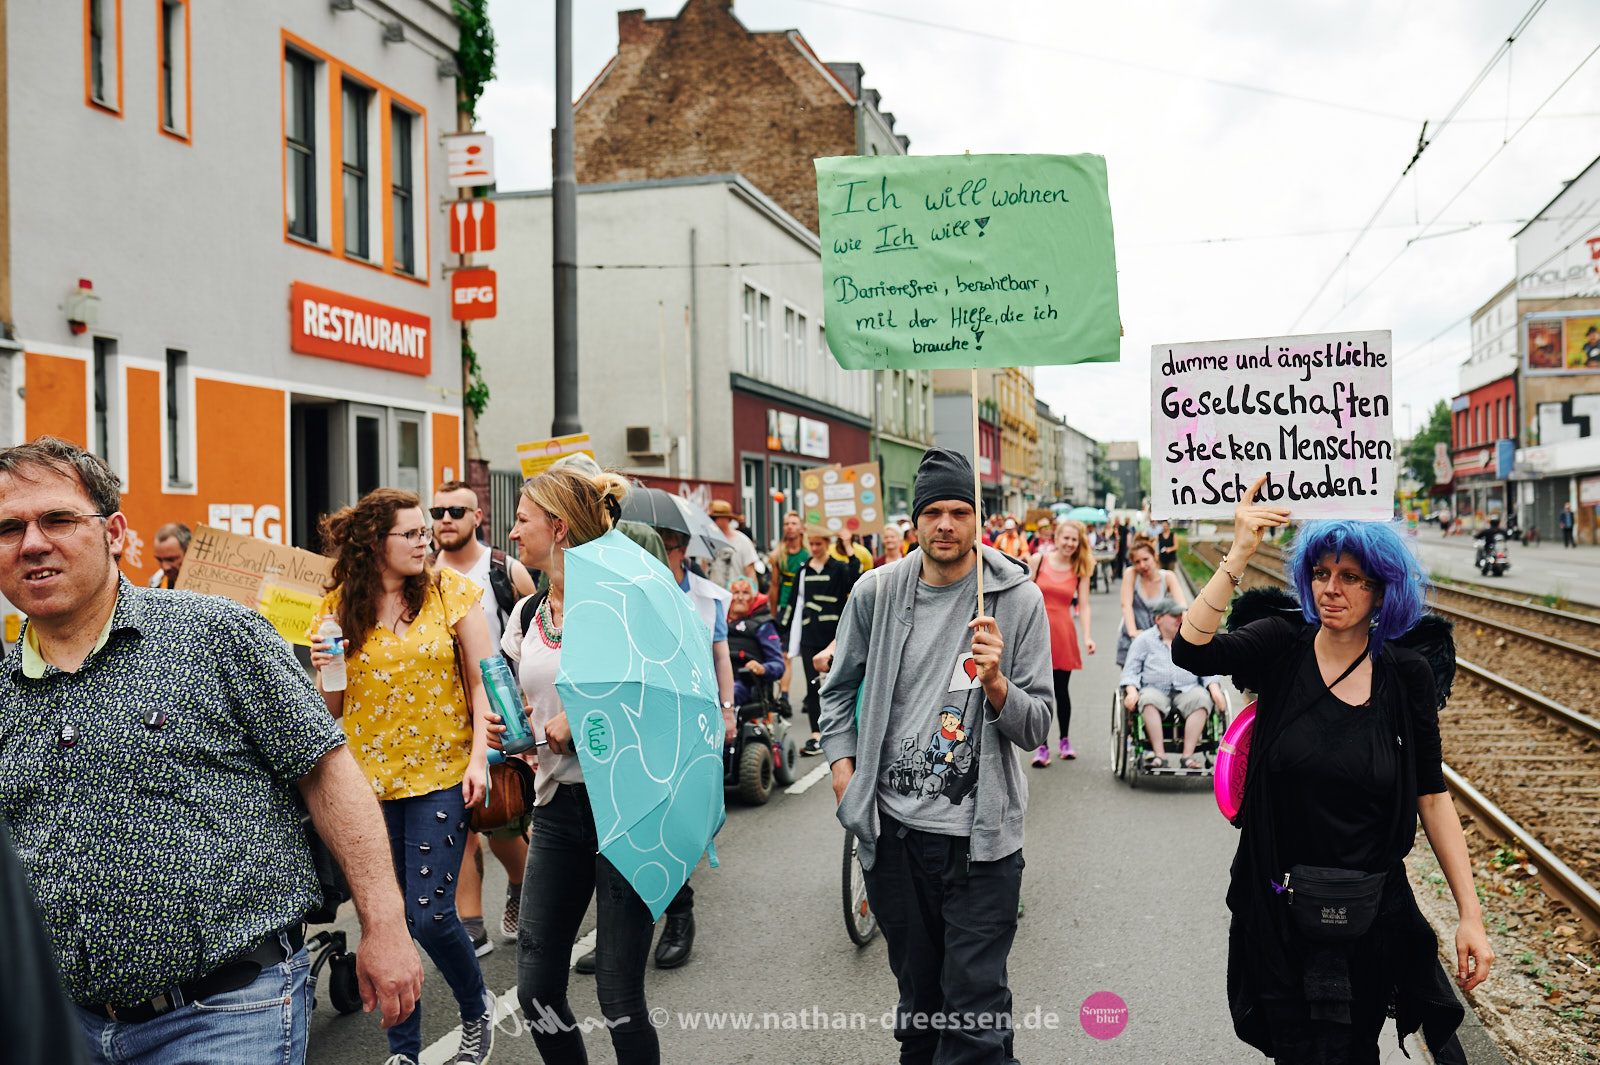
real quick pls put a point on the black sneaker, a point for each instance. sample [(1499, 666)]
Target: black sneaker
[(813, 747), (584, 965), (481, 943), (477, 1040)]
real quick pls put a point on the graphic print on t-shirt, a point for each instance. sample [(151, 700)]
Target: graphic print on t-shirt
[(965, 676), (941, 762)]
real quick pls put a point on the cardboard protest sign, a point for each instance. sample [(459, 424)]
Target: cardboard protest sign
[(842, 499), (967, 260), (536, 456), (1039, 518), (1312, 413), (283, 584)]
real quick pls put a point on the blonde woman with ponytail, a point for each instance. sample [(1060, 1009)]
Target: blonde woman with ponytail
[(565, 507)]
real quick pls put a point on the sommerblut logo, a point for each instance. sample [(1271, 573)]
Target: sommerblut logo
[(1103, 1015)]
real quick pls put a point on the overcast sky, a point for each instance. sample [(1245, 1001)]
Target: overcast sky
[(1231, 206)]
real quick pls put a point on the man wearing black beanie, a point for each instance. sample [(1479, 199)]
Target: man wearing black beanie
[(927, 776), (943, 474)]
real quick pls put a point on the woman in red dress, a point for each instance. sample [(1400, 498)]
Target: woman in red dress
[(1060, 573)]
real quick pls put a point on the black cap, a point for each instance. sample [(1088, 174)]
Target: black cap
[(943, 474)]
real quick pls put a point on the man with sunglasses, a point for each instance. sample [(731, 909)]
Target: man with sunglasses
[(456, 521), (155, 748)]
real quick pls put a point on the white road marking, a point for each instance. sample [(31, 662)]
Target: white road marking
[(801, 786), (444, 1050)]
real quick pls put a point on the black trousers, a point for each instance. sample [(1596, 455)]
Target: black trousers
[(565, 870), (813, 688), (1566, 536), (948, 923), (1062, 678)]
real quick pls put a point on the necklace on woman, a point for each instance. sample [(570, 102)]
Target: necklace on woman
[(547, 626)]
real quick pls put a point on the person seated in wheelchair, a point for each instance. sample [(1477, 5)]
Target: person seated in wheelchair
[(1152, 684), (753, 643)]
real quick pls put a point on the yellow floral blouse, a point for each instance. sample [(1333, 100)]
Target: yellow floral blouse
[(405, 715)]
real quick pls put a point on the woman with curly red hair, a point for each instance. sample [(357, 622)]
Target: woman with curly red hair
[(412, 635)]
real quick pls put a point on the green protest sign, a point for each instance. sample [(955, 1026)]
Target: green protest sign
[(967, 260)]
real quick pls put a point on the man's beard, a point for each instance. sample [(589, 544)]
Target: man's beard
[(463, 538)]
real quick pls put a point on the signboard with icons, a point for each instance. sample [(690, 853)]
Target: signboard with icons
[(842, 499)]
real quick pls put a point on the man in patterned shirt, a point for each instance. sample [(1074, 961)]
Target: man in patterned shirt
[(154, 749)]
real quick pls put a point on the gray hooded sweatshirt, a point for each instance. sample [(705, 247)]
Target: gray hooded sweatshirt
[(877, 624)]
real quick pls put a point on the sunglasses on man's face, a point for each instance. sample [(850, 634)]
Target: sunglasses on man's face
[(455, 512)]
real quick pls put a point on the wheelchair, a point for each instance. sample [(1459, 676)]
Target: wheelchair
[(329, 949), (762, 755), (1129, 744)]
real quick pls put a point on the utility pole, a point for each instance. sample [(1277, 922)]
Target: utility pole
[(564, 219)]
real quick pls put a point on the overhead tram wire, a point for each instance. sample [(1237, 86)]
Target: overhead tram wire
[(1468, 184), (1423, 143), (1149, 68)]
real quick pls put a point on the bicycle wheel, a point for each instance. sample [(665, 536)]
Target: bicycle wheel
[(858, 918)]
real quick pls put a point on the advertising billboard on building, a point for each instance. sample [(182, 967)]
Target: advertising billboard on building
[(1562, 343)]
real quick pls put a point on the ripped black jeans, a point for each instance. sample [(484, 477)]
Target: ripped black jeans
[(565, 869)]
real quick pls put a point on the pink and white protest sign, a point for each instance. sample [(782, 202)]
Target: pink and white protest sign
[(1312, 413)]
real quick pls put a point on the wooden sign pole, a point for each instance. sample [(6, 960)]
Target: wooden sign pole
[(977, 485)]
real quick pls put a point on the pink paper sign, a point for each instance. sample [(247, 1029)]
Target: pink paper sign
[(1315, 414)]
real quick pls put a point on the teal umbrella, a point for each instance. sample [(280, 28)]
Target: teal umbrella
[(1088, 515), (640, 693)]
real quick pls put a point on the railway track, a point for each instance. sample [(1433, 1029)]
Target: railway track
[(1524, 765)]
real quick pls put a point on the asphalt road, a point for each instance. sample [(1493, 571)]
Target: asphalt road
[(1123, 893)]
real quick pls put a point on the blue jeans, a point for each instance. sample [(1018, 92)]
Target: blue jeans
[(948, 923), (263, 1023), (565, 868), (426, 837)]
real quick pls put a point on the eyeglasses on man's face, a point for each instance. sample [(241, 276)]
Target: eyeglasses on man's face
[(411, 536), (438, 513), (56, 525)]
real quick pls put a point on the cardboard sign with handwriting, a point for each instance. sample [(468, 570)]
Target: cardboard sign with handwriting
[(842, 499), (282, 584), (967, 260)]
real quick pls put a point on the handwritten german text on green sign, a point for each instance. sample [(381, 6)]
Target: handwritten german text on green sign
[(967, 260)]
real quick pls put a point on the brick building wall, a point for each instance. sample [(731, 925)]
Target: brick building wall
[(700, 94)]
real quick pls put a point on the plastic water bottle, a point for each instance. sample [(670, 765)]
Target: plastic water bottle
[(506, 700), (333, 674)]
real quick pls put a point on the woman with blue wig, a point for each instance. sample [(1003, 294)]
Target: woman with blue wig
[(1326, 938)]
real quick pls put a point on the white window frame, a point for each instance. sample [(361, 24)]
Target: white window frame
[(747, 326), (374, 170), (764, 335), (183, 446), (419, 208), (321, 146), (175, 54)]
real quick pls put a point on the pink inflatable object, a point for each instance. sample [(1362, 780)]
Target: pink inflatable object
[(1233, 758)]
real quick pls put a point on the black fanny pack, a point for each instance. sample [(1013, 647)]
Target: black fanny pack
[(1331, 905)]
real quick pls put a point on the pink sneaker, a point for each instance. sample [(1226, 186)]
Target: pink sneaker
[(1067, 753), (1041, 757)]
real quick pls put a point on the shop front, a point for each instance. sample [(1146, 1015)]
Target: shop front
[(1481, 485), (1550, 476), (256, 455), (774, 441)]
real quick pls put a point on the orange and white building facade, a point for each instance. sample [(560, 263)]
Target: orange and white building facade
[(223, 248)]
